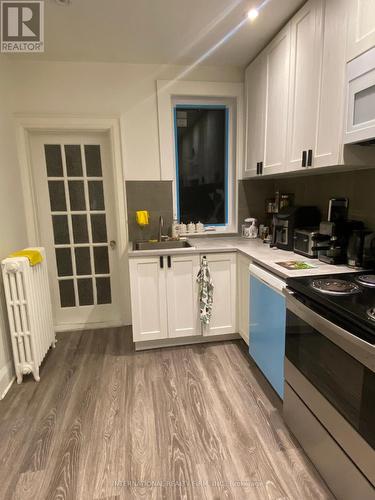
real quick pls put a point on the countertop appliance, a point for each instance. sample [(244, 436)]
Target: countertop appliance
[(329, 401), (250, 228), (309, 242), (361, 249), (339, 233), (289, 219), (267, 325), (360, 112)]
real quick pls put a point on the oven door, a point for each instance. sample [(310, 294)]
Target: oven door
[(338, 364)]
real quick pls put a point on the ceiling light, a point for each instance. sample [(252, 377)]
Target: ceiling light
[(252, 14), (63, 2)]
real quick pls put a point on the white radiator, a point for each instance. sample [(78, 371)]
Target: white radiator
[(30, 313)]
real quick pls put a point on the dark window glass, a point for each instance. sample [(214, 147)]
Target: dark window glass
[(96, 195), (64, 262), (103, 289), (53, 160), (83, 262), (201, 151), (85, 292), (77, 195), (93, 161), (73, 160), (57, 196), (67, 298), (101, 260), (99, 228), (80, 232), (60, 229)]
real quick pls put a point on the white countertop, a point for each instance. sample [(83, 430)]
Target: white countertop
[(258, 251)]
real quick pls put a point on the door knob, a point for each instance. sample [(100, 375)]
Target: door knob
[(113, 244)]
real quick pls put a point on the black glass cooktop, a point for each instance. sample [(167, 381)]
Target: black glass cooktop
[(347, 299)]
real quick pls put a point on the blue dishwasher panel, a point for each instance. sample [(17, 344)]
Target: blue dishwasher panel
[(267, 332)]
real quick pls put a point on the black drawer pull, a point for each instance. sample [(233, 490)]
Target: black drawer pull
[(309, 158), (304, 158), (169, 261), (161, 262)]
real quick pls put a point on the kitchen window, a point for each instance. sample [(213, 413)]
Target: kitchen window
[(202, 145)]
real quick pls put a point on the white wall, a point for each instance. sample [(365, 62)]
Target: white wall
[(126, 89), (12, 219)]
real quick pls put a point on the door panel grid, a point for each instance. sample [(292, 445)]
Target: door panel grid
[(75, 182)]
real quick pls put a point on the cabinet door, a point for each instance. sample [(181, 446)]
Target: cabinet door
[(243, 296), (182, 296), (331, 102), (277, 59), (306, 40), (255, 107), (223, 272), (148, 298), (361, 36)]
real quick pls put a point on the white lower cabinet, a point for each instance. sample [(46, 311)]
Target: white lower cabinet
[(243, 295), (148, 298), (182, 296), (164, 296), (224, 312)]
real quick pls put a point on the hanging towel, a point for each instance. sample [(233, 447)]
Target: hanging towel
[(34, 256), (206, 292), (142, 217)]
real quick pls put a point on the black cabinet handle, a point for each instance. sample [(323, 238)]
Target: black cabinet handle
[(304, 157), (258, 168), (169, 261), (261, 167), (309, 158), (161, 262)]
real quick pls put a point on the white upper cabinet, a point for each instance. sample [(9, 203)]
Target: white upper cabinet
[(361, 35), (277, 62), (330, 112), (182, 296), (255, 109), (306, 43)]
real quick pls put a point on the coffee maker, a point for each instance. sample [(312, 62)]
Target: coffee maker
[(287, 220), (361, 249)]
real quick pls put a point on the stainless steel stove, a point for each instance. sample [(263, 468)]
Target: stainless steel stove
[(329, 396)]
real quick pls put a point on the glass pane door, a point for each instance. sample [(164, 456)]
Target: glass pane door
[(78, 212)]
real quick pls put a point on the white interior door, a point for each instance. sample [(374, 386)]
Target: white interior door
[(74, 193)]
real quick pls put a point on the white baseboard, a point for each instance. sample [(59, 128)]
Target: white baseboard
[(156, 344), (7, 377), (69, 327)]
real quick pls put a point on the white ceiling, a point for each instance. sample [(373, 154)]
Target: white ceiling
[(160, 31)]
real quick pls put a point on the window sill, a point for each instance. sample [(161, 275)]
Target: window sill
[(211, 234)]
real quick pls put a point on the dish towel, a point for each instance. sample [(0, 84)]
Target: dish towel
[(206, 292), (34, 256)]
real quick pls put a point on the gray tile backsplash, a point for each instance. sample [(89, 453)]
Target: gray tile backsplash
[(358, 186), (157, 198)]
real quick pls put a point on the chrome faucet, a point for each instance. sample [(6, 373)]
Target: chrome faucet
[(161, 227)]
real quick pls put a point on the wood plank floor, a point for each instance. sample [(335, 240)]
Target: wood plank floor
[(104, 422)]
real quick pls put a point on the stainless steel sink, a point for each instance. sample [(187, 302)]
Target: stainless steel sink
[(160, 245)]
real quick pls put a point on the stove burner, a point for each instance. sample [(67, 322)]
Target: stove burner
[(366, 280), (371, 313), (333, 286)]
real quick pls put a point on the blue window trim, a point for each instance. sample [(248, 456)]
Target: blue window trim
[(204, 106)]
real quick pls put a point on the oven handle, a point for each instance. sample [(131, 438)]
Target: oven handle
[(359, 349)]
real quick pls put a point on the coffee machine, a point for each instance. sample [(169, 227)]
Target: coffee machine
[(287, 220), (361, 249), (339, 233)]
